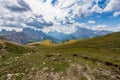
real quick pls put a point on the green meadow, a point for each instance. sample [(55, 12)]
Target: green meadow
[(86, 59)]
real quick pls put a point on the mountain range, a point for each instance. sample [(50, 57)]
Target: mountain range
[(28, 35)]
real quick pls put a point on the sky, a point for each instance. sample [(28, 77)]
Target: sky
[(64, 16)]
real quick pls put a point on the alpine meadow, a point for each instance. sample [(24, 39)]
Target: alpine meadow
[(59, 40)]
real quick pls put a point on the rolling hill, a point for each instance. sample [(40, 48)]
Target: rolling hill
[(87, 59)]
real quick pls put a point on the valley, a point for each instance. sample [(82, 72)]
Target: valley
[(87, 59)]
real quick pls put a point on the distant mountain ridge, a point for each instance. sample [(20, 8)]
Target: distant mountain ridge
[(30, 35), (60, 36), (3, 31), (19, 37), (79, 34), (88, 33)]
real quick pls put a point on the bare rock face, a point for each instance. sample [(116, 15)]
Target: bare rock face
[(19, 37)]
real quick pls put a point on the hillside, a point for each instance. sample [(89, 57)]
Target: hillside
[(87, 59), (11, 48)]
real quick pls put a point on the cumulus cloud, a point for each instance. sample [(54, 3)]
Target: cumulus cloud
[(37, 22), (47, 13), (52, 11), (100, 27), (97, 9), (60, 9), (10, 28), (65, 29), (112, 5), (92, 22), (14, 6), (22, 7), (116, 13)]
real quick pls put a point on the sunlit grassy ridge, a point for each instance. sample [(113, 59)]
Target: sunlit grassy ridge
[(87, 59), (14, 47)]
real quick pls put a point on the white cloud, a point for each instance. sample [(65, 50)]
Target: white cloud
[(112, 5), (49, 11), (100, 27), (116, 13), (97, 9), (63, 10), (58, 12), (116, 29), (107, 28), (11, 28), (58, 28), (80, 25), (67, 29), (92, 22)]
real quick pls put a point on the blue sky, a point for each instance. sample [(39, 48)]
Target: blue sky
[(104, 19), (60, 15)]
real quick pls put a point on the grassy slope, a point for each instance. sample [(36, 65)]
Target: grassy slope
[(14, 48), (105, 48), (90, 58), (9, 50)]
